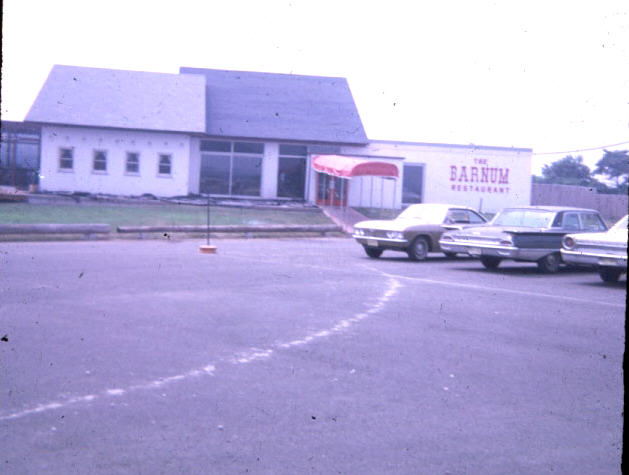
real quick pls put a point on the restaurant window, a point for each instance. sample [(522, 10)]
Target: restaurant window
[(165, 165), (132, 165), (412, 184), (291, 172), (100, 161), (231, 168), (66, 159)]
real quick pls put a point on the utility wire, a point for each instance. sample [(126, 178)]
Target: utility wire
[(581, 150)]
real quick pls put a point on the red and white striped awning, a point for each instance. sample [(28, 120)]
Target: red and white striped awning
[(347, 167)]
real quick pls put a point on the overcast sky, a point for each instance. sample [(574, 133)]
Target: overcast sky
[(548, 75)]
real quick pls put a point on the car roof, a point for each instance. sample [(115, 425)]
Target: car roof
[(553, 208), (441, 206)]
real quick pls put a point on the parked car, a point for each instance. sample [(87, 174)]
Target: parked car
[(606, 251), (416, 230), (527, 233)]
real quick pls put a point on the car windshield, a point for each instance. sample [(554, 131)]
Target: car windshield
[(622, 224), (426, 214), (524, 217)]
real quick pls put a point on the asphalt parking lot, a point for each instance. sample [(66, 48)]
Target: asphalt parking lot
[(302, 356)]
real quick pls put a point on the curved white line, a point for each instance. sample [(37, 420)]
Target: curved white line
[(254, 354)]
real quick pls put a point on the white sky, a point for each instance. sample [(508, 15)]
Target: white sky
[(548, 75)]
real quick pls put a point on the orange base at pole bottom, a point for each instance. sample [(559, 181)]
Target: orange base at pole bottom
[(207, 249)]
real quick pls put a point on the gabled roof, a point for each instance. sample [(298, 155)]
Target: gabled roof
[(122, 99), (280, 106)]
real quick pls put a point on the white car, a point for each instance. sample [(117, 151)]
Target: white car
[(605, 251)]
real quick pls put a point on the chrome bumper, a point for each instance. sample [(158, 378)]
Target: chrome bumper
[(476, 249), (597, 259), (380, 241)]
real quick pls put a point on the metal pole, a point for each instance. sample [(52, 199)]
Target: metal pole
[(208, 220), (342, 190)]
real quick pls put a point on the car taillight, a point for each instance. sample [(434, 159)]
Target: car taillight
[(568, 242)]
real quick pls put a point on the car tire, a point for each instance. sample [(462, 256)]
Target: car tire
[(490, 262), (549, 264), (450, 255), (373, 252), (418, 251), (609, 274)]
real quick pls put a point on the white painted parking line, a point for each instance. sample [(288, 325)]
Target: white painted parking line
[(254, 354), (495, 289)]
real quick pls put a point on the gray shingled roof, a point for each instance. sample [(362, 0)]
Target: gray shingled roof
[(280, 106), (123, 99)]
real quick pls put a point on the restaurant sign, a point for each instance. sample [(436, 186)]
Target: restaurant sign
[(479, 178)]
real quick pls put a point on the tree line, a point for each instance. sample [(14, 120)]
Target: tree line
[(613, 168)]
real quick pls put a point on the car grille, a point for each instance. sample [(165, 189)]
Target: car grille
[(376, 233)]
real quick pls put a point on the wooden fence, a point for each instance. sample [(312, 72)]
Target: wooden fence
[(611, 207)]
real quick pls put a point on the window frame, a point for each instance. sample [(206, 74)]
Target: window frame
[(126, 164), (95, 153), (227, 148), (61, 158), (170, 165), (295, 152), (422, 166)]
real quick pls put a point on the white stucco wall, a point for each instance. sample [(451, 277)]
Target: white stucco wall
[(488, 178), (116, 143)]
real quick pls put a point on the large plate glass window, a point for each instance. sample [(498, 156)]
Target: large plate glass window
[(231, 168), (413, 183), (291, 173), (19, 155)]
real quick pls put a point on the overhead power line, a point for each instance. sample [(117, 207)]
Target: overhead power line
[(582, 149)]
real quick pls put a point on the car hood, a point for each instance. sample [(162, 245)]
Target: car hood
[(389, 224)]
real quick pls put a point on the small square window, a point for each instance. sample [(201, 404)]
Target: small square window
[(66, 159), (132, 165), (100, 161), (165, 164)]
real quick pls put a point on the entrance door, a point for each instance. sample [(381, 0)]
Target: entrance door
[(331, 190)]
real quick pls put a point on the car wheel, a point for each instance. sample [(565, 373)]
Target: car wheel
[(609, 274), (490, 262), (550, 263), (418, 250), (373, 252), (450, 255)]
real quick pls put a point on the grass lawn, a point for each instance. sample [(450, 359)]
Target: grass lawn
[(151, 215)]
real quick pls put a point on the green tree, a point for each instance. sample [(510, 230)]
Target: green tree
[(614, 165), (568, 171)]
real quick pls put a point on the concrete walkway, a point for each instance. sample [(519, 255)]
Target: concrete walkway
[(344, 217)]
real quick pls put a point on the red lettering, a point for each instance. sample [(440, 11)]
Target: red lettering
[(484, 174), (474, 176), (504, 175), (463, 175), (493, 174)]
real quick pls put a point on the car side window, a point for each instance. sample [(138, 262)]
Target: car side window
[(592, 222), (476, 218), (457, 216), (571, 222)]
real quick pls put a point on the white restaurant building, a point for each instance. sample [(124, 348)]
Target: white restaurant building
[(247, 135)]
